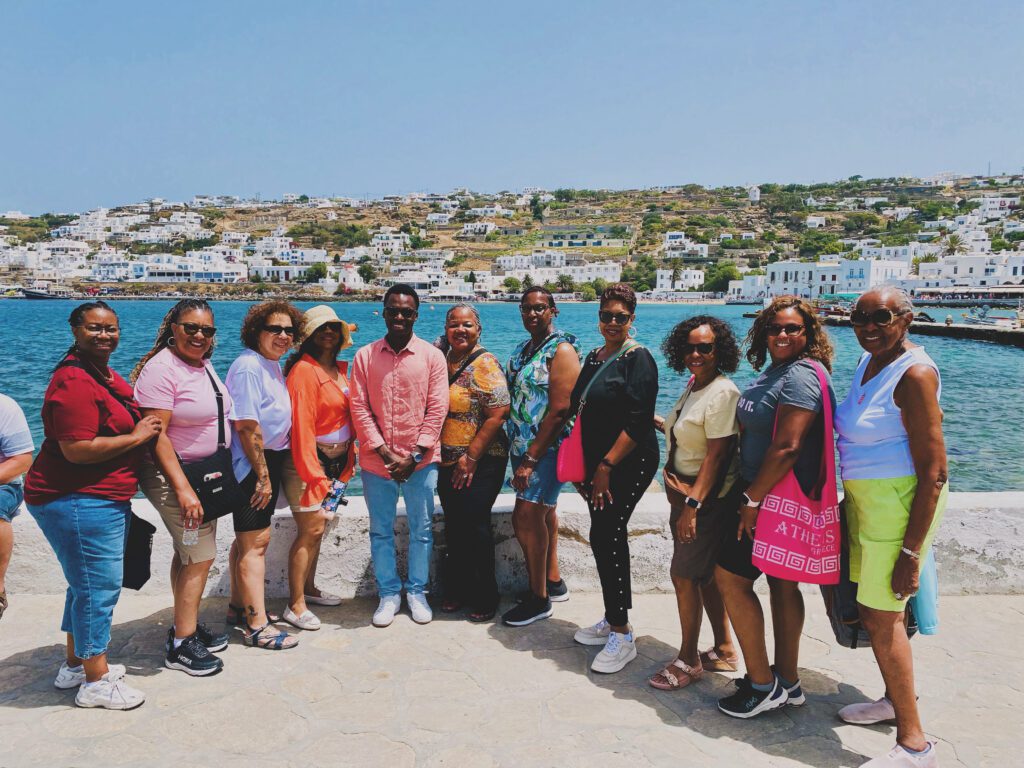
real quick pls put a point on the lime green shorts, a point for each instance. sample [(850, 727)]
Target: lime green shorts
[(877, 513)]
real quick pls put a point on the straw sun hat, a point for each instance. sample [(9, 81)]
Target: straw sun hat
[(320, 315)]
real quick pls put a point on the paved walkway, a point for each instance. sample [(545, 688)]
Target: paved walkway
[(458, 694)]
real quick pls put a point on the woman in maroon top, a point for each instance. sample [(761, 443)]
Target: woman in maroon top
[(79, 491)]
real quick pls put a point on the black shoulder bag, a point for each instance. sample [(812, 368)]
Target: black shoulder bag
[(138, 547), (213, 478)]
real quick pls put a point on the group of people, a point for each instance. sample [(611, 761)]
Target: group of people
[(448, 417)]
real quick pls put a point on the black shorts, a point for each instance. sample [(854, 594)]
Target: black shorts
[(737, 556), (249, 519)]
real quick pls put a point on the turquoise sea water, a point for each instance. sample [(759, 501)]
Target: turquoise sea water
[(983, 383)]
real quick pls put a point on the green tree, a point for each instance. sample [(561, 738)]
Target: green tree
[(618, 231), (565, 284), (599, 284), (367, 272), (303, 198), (536, 208), (954, 245), (587, 292), (471, 277), (564, 195), (928, 259), (512, 284), (527, 282), (717, 277), (315, 273)]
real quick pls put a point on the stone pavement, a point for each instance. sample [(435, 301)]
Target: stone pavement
[(465, 695)]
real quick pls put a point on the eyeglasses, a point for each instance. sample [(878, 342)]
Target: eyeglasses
[(191, 329), (619, 318), (792, 329), (703, 348), (277, 330), (534, 309), (403, 312), (111, 330), (882, 317)]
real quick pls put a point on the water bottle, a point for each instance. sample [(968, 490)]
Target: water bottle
[(334, 497), (190, 536)]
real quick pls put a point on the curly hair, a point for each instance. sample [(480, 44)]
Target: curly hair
[(727, 350), (257, 316), (619, 292), (819, 345), (166, 332)]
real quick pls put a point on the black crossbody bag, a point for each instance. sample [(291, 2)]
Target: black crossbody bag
[(213, 478)]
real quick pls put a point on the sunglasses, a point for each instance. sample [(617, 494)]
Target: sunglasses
[(534, 309), (880, 317), (792, 329), (403, 312), (277, 330), (191, 329), (619, 318), (703, 347)]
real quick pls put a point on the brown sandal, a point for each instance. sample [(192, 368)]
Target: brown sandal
[(712, 662), (676, 674), (282, 641)]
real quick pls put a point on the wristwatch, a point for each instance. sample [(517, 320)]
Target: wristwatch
[(417, 455), (692, 502), (747, 501)]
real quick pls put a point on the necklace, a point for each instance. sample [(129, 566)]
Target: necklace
[(455, 363), (108, 376)]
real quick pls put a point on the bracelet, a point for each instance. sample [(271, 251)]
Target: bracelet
[(910, 553), (607, 463), (529, 461), (475, 461)]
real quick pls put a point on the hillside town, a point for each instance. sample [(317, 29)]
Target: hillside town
[(948, 235)]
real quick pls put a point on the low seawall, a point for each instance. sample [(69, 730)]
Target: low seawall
[(978, 549)]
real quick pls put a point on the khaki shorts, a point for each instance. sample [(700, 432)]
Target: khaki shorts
[(292, 484), (160, 494)]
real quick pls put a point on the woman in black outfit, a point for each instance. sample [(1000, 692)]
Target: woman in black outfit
[(620, 452)]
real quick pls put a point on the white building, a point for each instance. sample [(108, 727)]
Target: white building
[(814, 279), (994, 207), (439, 219), (815, 222), (749, 287), (478, 228), (754, 194), (687, 279), (678, 245)]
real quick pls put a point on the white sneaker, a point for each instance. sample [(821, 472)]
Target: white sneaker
[(595, 635), (617, 653), (868, 713), (306, 620), (386, 610), (324, 598), (110, 692), (72, 677), (419, 608), (898, 757)]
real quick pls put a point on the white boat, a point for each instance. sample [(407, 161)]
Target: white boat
[(46, 289)]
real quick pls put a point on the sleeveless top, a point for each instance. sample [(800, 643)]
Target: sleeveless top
[(528, 389), (873, 443)]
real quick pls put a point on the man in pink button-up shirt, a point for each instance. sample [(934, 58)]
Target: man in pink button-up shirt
[(399, 403)]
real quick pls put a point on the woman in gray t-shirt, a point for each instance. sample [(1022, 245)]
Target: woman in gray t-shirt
[(782, 428)]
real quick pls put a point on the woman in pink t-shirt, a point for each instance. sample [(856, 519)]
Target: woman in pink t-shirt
[(175, 382)]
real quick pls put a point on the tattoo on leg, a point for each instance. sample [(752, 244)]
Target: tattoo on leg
[(252, 612)]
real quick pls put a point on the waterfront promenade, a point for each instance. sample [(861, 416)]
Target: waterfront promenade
[(458, 694)]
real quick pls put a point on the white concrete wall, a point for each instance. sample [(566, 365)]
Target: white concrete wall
[(978, 549)]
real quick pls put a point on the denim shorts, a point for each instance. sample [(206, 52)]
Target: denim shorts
[(544, 486), (87, 534), (11, 496)]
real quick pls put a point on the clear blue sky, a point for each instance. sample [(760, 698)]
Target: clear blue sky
[(109, 102)]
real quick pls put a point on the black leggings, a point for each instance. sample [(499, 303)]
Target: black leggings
[(609, 537), (468, 575), (249, 519)]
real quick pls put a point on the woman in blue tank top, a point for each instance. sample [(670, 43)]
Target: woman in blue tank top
[(893, 462)]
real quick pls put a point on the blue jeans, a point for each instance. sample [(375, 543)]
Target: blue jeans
[(11, 496), (381, 496), (87, 533)]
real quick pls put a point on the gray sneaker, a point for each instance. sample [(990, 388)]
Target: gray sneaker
[(595, 635)]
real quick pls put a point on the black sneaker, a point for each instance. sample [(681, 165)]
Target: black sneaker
[(795, 692), (213, 641), (749, 702), (192, 658), (557, 592), (530, 610)]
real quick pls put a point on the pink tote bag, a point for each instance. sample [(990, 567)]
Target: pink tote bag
[(797, 535)]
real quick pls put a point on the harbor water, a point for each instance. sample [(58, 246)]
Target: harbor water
[(983, 383)]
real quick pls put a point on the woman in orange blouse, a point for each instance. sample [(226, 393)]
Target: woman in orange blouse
[(322, 451)]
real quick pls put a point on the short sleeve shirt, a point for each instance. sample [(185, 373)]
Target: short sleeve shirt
[(15, 436), (77, 407), (168, 383), (259, 393), (707, 414), (794, 383), (481, 385)]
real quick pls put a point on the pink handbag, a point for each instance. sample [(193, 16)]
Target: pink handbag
[(797, 536), (571, 467)]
